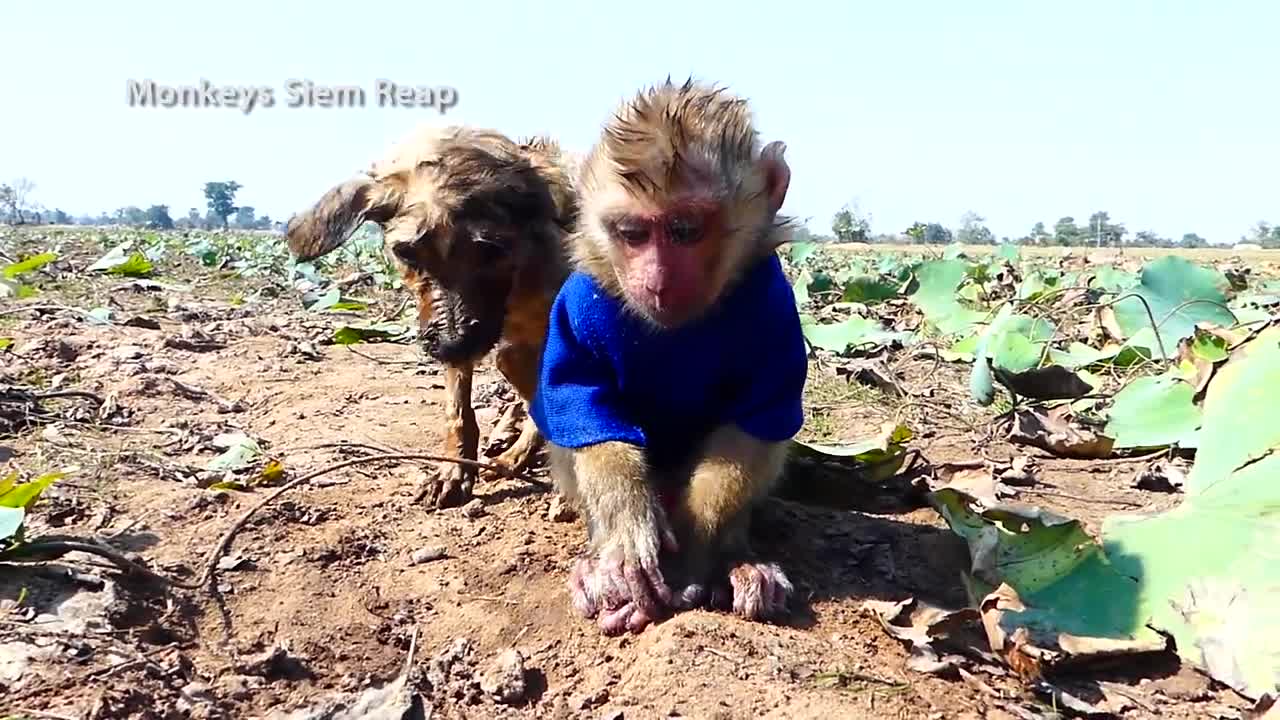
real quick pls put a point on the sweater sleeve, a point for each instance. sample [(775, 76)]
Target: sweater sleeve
[(576, 403), (773, 410)]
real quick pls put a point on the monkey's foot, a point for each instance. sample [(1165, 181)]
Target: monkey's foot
[(451, 487), (760, 590)]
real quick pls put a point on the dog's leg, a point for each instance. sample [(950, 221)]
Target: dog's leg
[(454, 482), (519, 365)]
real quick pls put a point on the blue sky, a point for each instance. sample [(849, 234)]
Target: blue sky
[(1165, 113)]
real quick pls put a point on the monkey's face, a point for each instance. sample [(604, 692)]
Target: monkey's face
[(678, 199), (666, 258)]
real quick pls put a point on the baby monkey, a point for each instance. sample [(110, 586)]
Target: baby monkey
[(674, 364)]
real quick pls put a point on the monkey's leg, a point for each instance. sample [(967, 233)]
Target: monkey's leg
[(454, 483), (519, 365), (618, 582), (734, 471)]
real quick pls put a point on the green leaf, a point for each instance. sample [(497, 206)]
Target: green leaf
[(35, 262), (136, 266), (1059, 572), (1113, 279), (801, 251), (981, 380), (868, 290), (272, 473), (239, 450), (800, 288), (1169, 285), (120, 261), (347, 305), (350, 335), (821, 282), (883, 455), (23, 495), (1203, 572), (6, 343), (1240, 414), (99, 316), (1018, 343), (1012, 342), (1009, 252), (935, 295), (319, 303), (1078, 355), (1209, 347), (1153, 412), (11, 519), (1036, 283), (9, 288), (855, 331)]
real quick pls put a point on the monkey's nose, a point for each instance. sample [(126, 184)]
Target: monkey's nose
[(658, 297)]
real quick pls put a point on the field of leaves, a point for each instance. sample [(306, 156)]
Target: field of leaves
[(1030, 485)]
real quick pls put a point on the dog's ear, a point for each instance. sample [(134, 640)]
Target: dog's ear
[(339, 212)]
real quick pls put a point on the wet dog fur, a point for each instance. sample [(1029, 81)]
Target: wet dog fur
[(475, 223)]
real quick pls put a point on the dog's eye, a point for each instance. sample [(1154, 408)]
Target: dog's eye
[(489, 249), (403, 250)]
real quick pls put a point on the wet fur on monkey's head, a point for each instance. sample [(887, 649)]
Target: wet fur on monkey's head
[(678, 197), (471, 218)]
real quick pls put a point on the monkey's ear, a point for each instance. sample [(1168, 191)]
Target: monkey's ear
[(338, 213), (777, 174)]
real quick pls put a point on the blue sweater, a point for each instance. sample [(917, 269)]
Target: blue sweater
[(607, 375)]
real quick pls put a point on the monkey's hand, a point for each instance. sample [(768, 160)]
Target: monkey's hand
[(734, 472), (621, 584)]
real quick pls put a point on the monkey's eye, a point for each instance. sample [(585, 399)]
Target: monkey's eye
[(631, 233), (684, 231)]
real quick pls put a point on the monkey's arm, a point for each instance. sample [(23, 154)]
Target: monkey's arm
[(577, 402), (599, 460), (742, 459)]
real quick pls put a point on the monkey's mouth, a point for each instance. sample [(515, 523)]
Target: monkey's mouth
[(670, 315), (461, 328)]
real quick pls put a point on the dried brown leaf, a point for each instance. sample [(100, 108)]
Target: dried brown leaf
[(1053, 431)]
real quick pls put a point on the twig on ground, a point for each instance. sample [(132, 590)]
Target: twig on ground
[(380, 360), (1080, 498), (404, 304), (41, 714), (56, 546), (337, 446), (53, 547), (85, 677), (487, 598), (56, 394), (212, 564)]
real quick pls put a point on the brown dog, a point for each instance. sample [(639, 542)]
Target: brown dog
[(475, 222)]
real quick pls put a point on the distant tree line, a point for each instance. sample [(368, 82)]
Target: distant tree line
[(221, 211), (848, 225), (852, 225)]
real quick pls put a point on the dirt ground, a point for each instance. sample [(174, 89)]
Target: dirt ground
[(321, 592)]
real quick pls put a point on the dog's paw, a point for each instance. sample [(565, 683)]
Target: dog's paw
[(451, 487)]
